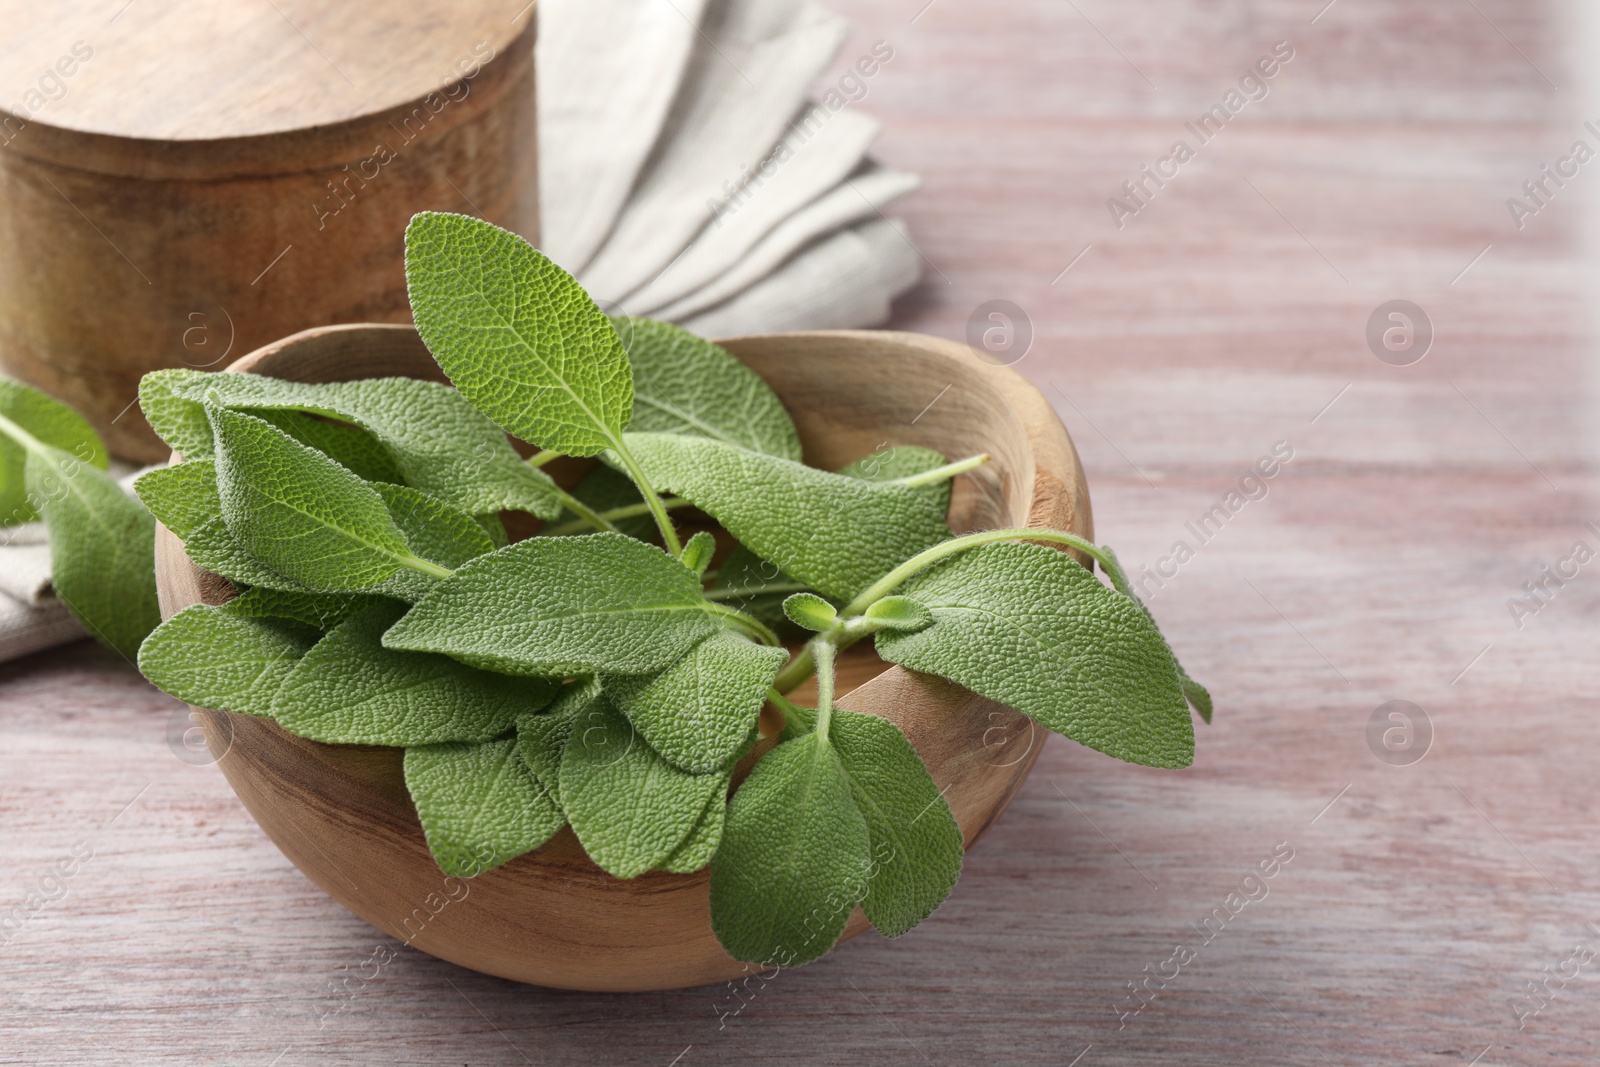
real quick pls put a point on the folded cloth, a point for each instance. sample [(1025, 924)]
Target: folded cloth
[(685, 174), (26, 627), (853, 275)]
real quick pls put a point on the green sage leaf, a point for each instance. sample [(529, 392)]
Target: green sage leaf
[(698, 711), (686, 385), (916, 844), (902, 461), (350, 690), (222, 658), (899, 613), (102, 547), (629, 807), (559, 606), (321, 611), (177, 419), (542, 737), (479, 804), (1029, 627), (697, 552), (439, 442), (184, 499), (349, 446), (50, 422), (810, 612), (794, 858), (299, 512), (702, 842), (517, 335), (833, 532)]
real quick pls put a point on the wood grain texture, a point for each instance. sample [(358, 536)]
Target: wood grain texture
[(184, 182), (1417, 905)]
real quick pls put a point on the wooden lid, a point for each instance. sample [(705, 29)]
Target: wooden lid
[(177, 80)]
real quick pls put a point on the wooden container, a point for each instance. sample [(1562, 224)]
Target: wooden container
[(342, 815), (182, 181)]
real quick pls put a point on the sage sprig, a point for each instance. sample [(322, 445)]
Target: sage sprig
[(102, 541), (609, 673)]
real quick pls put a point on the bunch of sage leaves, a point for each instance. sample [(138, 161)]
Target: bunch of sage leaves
[(598, 674)]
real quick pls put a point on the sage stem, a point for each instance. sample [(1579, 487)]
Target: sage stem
[(587, 516), (927, 558), (658, 511), (754, 627), (611, 515), (944, 473), (823, 653)]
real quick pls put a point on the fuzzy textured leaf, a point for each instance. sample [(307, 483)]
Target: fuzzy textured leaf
[(517, 335), (102, 547), (479, 804), (542, 737), (833, 532), (435, 531), (321, 611), (299, 512), (686, 385), (629, 807), (697, 712), (438, 441), (916, 844), (349, 446), (50, 422), (350, 690), (177, 419), (1027, 626), (558, 606), (903, 461), (794, 858), (221, 658), (703, 841), (184, 499)]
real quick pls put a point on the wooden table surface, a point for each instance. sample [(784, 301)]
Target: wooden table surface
[(1226, 316)]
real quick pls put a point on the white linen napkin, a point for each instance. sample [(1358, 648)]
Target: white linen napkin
[(685, 174)]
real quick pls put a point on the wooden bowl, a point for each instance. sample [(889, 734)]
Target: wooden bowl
[(342, 815), (183, 181)]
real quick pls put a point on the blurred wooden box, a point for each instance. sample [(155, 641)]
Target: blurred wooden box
[(182, 181)]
